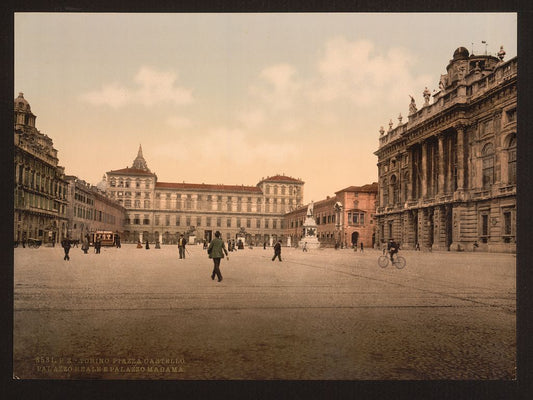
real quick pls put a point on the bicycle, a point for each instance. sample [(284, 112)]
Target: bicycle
[(397, 261)]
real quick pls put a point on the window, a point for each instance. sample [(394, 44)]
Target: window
[(507, 223), (219, 222), (266, 223), (274, 224), (248, 222), (511, 115), (228, 222), (198, 221), (238, 222), (395, 189), (208, 221), (511, 166), (258, 223), (177, 220), (488, 165), (484, 228), (188, 221), (167, 220), (385, 190), (156, 220)]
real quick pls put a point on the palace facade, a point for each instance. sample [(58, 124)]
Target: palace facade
[(161, 211), (40, 188), (447, 176), (346, 219)]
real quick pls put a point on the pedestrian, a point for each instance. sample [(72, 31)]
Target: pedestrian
[(147, 245), (181, 246), (264, 245), (139, 244), (117, 241), (85, 246), (277, 250), (97, 246), (362, 247), (66, 247), (305, 247), (216, 251)]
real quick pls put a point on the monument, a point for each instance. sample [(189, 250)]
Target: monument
[(309, 239)]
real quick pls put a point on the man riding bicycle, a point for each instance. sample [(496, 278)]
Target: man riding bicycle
[(393, 248)]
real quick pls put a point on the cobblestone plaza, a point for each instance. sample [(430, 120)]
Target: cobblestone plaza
[(326, 314)]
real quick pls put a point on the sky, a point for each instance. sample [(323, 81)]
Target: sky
[(235, 98)]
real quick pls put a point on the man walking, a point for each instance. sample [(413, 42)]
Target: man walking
[(181, 246), (66, 247), (277, 250), (216, 251)]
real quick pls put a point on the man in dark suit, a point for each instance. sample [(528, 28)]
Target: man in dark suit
[(277, 250), (181, 246)]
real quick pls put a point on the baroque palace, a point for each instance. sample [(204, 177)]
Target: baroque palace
[(161, 211), (447, 176)]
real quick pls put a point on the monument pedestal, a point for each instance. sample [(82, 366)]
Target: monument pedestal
[(310, 242)]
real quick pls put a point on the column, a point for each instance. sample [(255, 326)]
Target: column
[(460, 157), (449, 165), (424, 170), (411, 175), (441, 164)]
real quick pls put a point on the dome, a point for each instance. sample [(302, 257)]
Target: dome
[(461, 54), (21, 103), (102, 185)]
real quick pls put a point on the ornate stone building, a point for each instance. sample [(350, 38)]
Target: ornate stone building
[(164, 210), (346, 218), (89, 210), (447, 176), (40, 189)]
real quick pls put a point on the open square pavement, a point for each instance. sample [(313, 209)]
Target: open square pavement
[(326, 314)]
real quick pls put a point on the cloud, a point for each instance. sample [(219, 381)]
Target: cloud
[(229, 147), (152, 87), (179, 122), (358, 72), (277, 86), (251, 119)]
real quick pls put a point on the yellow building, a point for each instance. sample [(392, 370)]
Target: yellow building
[(161, 211)]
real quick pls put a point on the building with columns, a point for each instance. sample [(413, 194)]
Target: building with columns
[(40, 189), (447, 176), (345, 219), (161, 211)]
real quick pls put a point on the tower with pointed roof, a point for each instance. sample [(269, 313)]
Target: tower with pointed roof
[(140, 162)]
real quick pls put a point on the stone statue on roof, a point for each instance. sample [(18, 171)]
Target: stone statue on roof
[(412, 105)]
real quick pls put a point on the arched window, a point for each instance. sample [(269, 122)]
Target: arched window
[(511, 159), (487, 155)]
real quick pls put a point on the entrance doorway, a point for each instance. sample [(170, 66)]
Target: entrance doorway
[(355, 238)]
